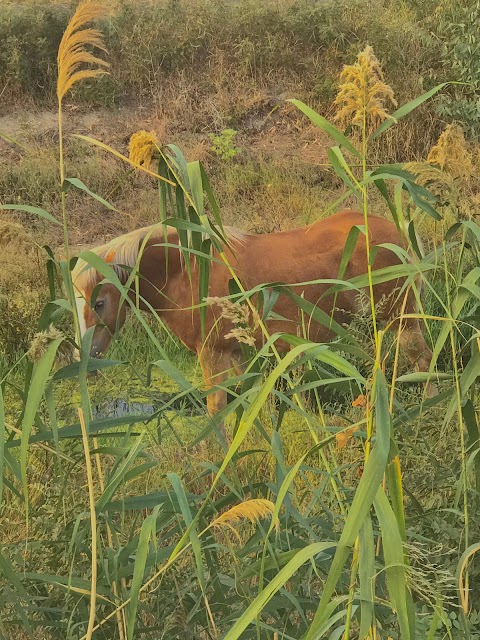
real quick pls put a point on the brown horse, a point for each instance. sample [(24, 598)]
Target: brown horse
[(290, 257)]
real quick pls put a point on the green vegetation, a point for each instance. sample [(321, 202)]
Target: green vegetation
[(346, 503), (222, 145)]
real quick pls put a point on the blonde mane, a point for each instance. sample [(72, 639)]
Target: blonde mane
[(124, 251)]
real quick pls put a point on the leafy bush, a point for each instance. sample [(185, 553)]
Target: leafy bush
[(456, 25), (223, 146)]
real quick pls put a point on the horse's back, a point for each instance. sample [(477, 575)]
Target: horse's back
[(314, 251)]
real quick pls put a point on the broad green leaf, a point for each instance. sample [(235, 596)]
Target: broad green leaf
[(81, 186), (382, 187), (22, 598), (406, 109), (118, 475), (419, 195), (97, 428), (342, 169), (150, 500), (41, 213), (473, 430), (394, 561), (9, 572), (211, 198), (196, 185), (325, 125), (94, 364), (467, 379), (422, 376)]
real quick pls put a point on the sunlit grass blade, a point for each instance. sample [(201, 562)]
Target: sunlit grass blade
[(119, 155), (274, 585)]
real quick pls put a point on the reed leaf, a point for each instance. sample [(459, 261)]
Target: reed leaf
[(366, 574), (147, 533), (2, 441), (362, 501), (280, 579), (394, 561), (38, 383)]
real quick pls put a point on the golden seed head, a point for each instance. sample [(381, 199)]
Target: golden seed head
[(451, 153), (363, 95), (251, 510), (142, 147), (239, 315), (449, 172), (72, 53), (42, 340)]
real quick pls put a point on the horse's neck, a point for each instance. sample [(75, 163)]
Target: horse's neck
[(164, 282)]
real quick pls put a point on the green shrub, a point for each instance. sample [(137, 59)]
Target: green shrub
[(223, 145), (456, 24)]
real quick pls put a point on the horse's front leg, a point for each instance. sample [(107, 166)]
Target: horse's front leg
[(215, 368)]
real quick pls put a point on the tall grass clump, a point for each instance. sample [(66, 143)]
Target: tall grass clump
[(315, 518)]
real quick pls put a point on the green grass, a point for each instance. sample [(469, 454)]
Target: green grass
[(374, 487)]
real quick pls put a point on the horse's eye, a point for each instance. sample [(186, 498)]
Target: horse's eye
[(99, 305)]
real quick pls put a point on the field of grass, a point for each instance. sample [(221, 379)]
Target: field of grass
[(344, 503)]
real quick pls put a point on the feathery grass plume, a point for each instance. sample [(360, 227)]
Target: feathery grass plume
[(142, 147), (450, 172), (251, 510), (363, 95), (426, 575), (239, 316), (451, 153), (41, 342), (72, 53)]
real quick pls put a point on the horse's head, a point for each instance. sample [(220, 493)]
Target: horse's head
[(100, 307)]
